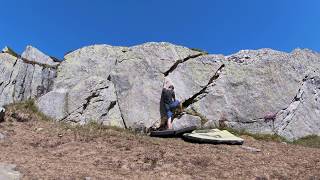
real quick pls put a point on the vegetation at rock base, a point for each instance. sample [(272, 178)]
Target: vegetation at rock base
[(309, 141), (94, 129), (27, 107), (35, 143)]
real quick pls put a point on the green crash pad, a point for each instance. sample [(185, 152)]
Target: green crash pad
[(212, 136)]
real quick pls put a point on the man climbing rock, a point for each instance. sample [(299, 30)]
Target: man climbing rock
[(170, 103)]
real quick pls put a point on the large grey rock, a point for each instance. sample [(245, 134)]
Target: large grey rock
[(185, 121), (139, 89), (54, 104), (84, 92), (131, 99), (34, 55), (94, 99), (193, 75), (121, 86), (8, 172), (255, 83), (96, 60), (301, 117), (22, 78)]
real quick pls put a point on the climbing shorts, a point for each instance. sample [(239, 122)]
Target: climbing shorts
[(171, 107)]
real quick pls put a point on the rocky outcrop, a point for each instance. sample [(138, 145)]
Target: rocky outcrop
[(83, 90), (22, 78), (117, 86), (139, 80), (255, 83), (185, 121), (261, 91)]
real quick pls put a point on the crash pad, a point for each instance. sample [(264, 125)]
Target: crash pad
[(173, 132), (212, 136)]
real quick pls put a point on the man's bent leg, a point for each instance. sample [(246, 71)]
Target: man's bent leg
[(169, 123), (174, 104)]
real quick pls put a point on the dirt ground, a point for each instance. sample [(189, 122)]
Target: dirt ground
[(47, 150)]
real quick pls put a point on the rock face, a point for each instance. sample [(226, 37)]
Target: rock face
[(83, 91), (261, 91), (186, 121), (255, 83), (22, 78), (8, 172)]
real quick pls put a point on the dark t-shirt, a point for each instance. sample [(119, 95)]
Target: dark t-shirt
[(168, 96)]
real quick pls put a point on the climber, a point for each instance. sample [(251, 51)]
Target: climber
[(170, 103)]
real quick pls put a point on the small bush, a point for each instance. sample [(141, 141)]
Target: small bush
[(29, 105), (309, 141)]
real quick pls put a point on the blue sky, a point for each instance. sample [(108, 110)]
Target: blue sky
[(217, 26)]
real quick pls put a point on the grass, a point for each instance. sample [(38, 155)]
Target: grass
[(312, 141), (94, 129), (257, 136), (309, 141), (29, 105)]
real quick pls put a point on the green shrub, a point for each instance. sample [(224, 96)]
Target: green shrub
[(29, 105), (309, 141)]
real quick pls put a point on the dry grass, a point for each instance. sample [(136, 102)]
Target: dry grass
[(45, 149), (309, 141)]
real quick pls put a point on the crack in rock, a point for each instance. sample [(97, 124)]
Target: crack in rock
[(88, 100), (203, 92), (10, 78), (175, 65), (111, 106), (94, 93), (117, 102), (289, 112), (22, 86)]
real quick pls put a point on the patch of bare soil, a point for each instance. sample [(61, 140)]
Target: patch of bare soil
[(48, 150)]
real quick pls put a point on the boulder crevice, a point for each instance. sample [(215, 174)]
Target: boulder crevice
[(175, 65), (196, 97)]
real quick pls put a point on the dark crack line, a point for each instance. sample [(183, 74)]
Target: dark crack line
[(117, 102), (111, 106), (95, 93), (203, 91), (295, 99), (22, 85), (175, 65), (31, 81), (100, 89), (10, 78), (121, 114), (88, 100)]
